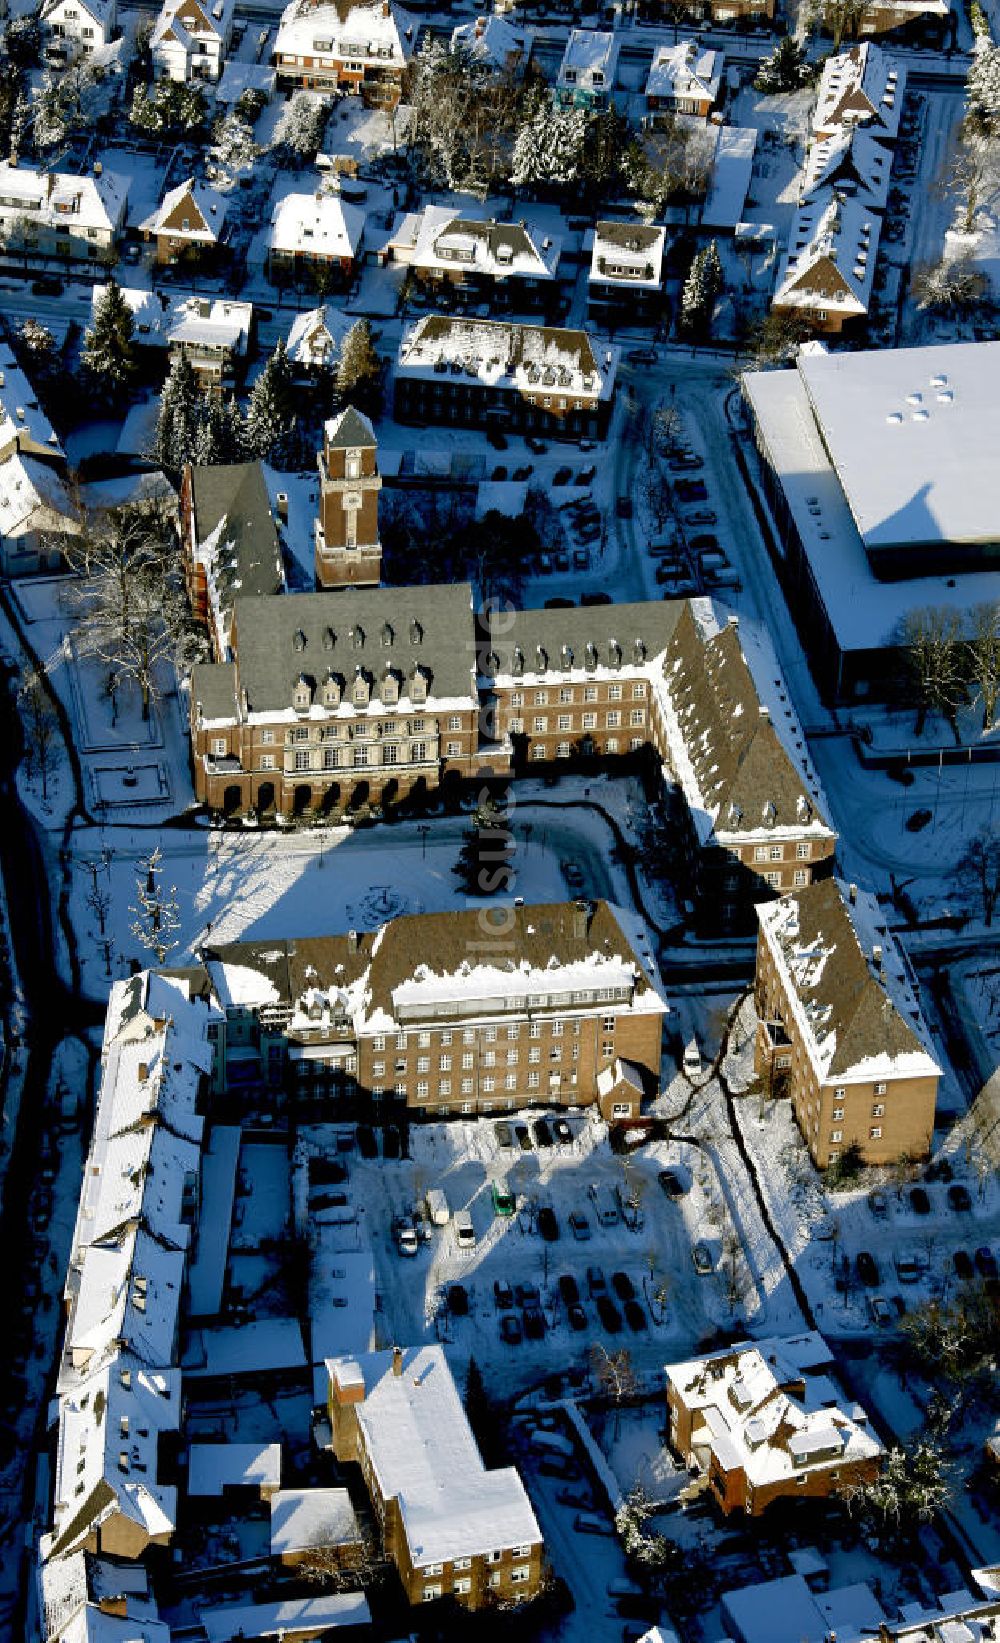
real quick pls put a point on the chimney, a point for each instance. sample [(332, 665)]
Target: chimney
[(352, 941), (581, 919), (143, 1071), (852, 894), (877, 958), (765, 712), (732, 621), (397, 1361)]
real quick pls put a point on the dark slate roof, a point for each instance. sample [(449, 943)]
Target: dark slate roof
[(213, 689), (279, 640), (629, 236), (863, 1016), (651, 622), (350, 429), (249, 557)]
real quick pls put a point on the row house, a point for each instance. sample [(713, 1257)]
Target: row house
[(587, 72), (766, 1421), (861, 88), (683, 79), (828, 271), (56, 214), (72, 29), (451, 1527), (625, 282), (338, 700), (191, 39), (348, 552), (490, 374), (851, 162), (449, 1014), (840, 1027), (317, 233), (229, 542), (736, 12), (357, 49), (37, 508), (472, 259), (188, 223)]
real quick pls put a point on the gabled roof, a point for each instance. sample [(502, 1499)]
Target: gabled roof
[(862, 86), (830, 261), (348, 429), (494, 41), (191, 202), (61, 197), (185, 21), (102, 11), (316, 337), (236, 538), (685, 71), (376, 33), (447, 239), (589, 52), (852, 162), (316, 225)]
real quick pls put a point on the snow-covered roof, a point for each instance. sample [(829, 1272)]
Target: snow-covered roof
[(789, 1611), (589, 61), (288, 1617), (316, 225), (102, 11), (528, 358), (732, 171), (315, 338), (369, 32), (192, 211), (84, 1579), (447, 240), (759, 1411), (304, 1520), (847, 985), (851, 161), (421, 1450), (494, 41), (184, 22), (93, 1625), (58, 198), (24, 425), (861, 86), (213, 1467), (628, 255), (685, 71), (34, 497), (214, 323), (830, 260)]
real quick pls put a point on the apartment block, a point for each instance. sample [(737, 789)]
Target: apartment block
[(451, 1527), (840, 1028), (360, 49)]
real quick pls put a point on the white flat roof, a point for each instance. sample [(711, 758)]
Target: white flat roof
[(913, 434)]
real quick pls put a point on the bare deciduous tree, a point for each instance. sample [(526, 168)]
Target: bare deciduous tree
[(933, 653), (979, 871), (984, 659), (41, 728), (156, 914)]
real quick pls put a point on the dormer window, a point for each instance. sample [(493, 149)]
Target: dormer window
[(614, 654), (386, 635), (418, 686), (331, 691), (358, 638), (639, 652), (769, 814), (329, 639), (302, 694), (361, 692), (541, 659), (416, 633), (566, 657), (492, 662), (389, 688), (299, 639), (590, 655)]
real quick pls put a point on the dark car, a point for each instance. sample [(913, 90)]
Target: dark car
[(623, 1286), (562, 476), (635, 1317), (609, 1314), (569, 1289), (534, 1324), (576, 1316), (691, 490), (918, 821), (704, 544), (562, 1132), (496, 439), (671, 1183), (867, 1268), (986, 1262), (963, 1266), (526, 1295), (558, 603), (523, 1138), (596, 599), (623, 507), (504, 1134), (503, 1295), (920, 1201), (510, 1329), (958, 1197), (596, 1284), (499, 474), (367, 1145), (540, 1129), (537, 445), (548, 1226), (458, 1300)]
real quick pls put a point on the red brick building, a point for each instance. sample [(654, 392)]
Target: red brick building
[(348, 550)]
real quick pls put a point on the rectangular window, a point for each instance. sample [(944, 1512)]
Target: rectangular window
[(423, 1088), (513, 1033), (875, 1133), (467, 1086), (534, 1056), (838, 1112), (532, 1081), (540, 725), (800, 877), (423, 1063), (878, 1111), (455, 721), (638, 691), (267, 761), (836, 1135), (541, 698), (880, 1089), (607, 1049), (444, 1086), (510, 1081), (614, 720), (802, 851), (444, 1064), (589, 721), (760, 852), (564, 721), (614, 693)]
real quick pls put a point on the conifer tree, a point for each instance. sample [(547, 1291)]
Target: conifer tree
[(702, 286), (177, 419), (108, 352), (271, 412), (359, 370), (484, 862)]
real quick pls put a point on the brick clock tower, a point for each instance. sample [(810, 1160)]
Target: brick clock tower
[(348, 551)]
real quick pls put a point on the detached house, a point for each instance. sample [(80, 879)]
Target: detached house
[(861, 87), (473, 260), (625, 284), (36, 507), (451, 1527), (359, 49), (765, 1420), (586, 76), (76, 28), (683, 79), (314, 341), (187, 223), (841, 1031), (496, 43), (313, 232), (828, 271), (57, 214), (190, 39)]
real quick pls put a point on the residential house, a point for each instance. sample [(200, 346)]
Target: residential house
[(191, 38), (450, 1526), (448, 1013), (37, 508), (57, 214), (314, 341), (214, 334), (474, 260), (484, 373), (348, 549), (188, 222), (851, 162), (308, 1524), (800, 1609), (860, 87), (317, 233), (359, 49), (828, 271), (625, 283), (84, 1598), (338, 699), (230, 544), (586, 75), (840, 1028), (765, 1421), (926, 21), (683, 79), (737, 12), (76, 28), (496, 43)]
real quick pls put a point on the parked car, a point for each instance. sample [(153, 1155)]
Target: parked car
[(622, 1285), (596, 1284), (867, 1269), (609, 1314), (523, 1138), (964, 1269), (504, 1134), (503, 1295), (596, 599), (405, 1235), (504, 1202), (558, 603), (569, 1289), (671, 1184), (562, 476), (702, 516), (586, 1523), (458, 1300), (635, 1317), (576, 1317), (527, 1295), (920, 1201), (878, 1203), (986, 1262), (701, 1255), (579, 1226), (916, 822), (704, 544), (562, 1132), (623, 507), (496, 439), (534, 1323), (535, 444), (879, 1311), (548, 1226), (511, 1332), (691, 490), (543, 1135), (641, 356), (958, 1197)]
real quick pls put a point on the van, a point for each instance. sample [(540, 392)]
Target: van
[(437, 1207), (465, 1232), (605, 1205)]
